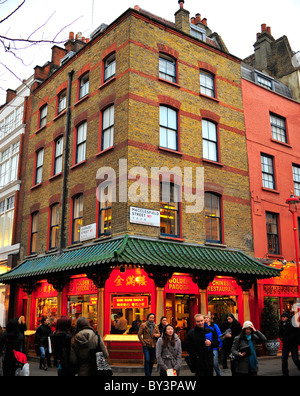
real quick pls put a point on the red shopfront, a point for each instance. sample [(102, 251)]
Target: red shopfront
[(283, 290)]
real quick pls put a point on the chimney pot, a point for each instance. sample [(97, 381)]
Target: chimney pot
[(137, 8), (204, 21), (181, 2), (71, 36), (263, 27), (198, 18), (269, 29), (193, 20)]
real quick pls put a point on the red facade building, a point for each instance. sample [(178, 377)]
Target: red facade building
[(272, 120)]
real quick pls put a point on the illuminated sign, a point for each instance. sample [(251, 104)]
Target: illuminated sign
[(130, 302)]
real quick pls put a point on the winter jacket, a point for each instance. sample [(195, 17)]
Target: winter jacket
[(81, 345), (201, 355), (169, 357), (240, 342), (288, 334), (145, 336), (42, 334), (215, 327), (61, 344), (9, 343)]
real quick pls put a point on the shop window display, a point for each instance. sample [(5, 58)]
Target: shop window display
[(128, 311), (83, 306), (45, 307)]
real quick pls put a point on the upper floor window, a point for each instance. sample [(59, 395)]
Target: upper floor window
[(6, 221), (213, 218), (198, 33), (108, 118), (105, 210), (62, 101), (58, 155), (77, 218), (34, 232), (11, 122), (39, 166), (207, 84), (9, 160), (81, 142), (169, 209), (43, 116), (167, 68), (168, 131), (296, 178), (110, 67), (54, 227), (278, 128), (84, 85), (272, 233), (268, 176), (210, 140), (264, 81)]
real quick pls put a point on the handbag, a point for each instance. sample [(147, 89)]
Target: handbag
[(99, 366), (22, 369)]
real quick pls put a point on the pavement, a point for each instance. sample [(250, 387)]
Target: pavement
[(268, 366)]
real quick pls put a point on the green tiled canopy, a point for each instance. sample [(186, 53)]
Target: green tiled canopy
[(180, 257)]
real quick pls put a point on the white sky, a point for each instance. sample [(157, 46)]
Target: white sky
[(235, 20)]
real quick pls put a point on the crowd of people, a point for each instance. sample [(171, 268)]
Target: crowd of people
[(207, 345)]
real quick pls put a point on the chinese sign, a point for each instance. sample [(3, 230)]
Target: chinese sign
[(130, 302), (130, 280), (181, 283), (145, 216)]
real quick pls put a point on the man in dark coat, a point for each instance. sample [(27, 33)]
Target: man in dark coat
[(289, 337), (200, 343)]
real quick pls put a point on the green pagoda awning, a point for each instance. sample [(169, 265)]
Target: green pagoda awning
[(181, 257)]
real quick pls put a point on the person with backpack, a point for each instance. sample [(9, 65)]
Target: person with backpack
[(61, 343), (215, 327), (84, 340), (12, 340)]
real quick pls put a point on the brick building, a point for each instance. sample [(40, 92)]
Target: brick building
[(120, 126)]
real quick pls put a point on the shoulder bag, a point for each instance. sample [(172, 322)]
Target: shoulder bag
[(99, 366)]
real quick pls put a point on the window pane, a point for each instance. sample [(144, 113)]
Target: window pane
[(296, 176), (169, 209), (168, 128), (212, 217), (207, 84)]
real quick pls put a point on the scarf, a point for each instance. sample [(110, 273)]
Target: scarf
[(151, 327), (252, 358)]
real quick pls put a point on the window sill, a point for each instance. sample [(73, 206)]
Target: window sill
[(270, 190), (169, 82), (210, 162), (105, 151), (275, 256), (77, 165), (74, 245), (40, 129), (215, 244), (55, 176), (171, 238), (209, 97), (81, 100), (36, 186), (282, 143), (61, 114), (170, 150), (105, 83), (102, 238)]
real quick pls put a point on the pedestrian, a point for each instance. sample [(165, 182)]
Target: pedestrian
[(232, 329), (288, 334), (42, 339), (200, 344), (61, 343), (163, 322), (209, 323), (169, 352), (12, 340), (243, 350), (22, 327), (148, 334), (121, 325), (84, 340)]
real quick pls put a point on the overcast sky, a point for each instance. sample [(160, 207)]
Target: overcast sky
[(235, 20)]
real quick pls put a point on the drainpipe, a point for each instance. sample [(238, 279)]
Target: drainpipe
[(65, 172)]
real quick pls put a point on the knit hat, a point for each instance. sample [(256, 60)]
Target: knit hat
[(247, 324)]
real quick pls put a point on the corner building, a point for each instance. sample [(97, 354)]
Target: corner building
[(142, 94)]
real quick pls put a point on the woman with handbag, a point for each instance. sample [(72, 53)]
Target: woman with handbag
[(243, 350), (12, 340), (169, 351), (84, 340)]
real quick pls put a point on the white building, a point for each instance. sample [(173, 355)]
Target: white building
[(12, 127)]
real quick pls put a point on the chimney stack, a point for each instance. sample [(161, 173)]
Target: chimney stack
[(182, 19)]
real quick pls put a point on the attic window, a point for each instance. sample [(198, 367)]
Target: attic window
[(264, 81), (198, 33)]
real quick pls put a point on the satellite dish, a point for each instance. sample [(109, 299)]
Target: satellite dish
[(296, 59)]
